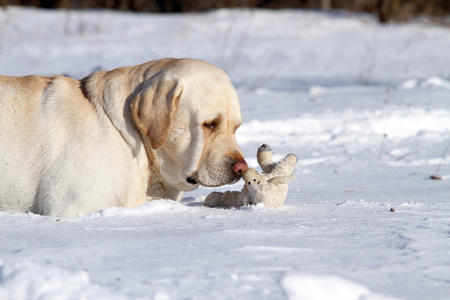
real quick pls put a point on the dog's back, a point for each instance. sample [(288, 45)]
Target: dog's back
[(59, 154)]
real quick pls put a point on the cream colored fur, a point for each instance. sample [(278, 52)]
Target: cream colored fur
[(270, 187), (117, 138)]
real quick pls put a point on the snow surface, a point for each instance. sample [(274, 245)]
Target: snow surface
[(366, 108)]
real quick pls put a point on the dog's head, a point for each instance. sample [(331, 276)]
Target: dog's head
[(189, 111)]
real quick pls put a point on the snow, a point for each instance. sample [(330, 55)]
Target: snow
[(364, 106), (307, 287), (27, 280), (147, 209)]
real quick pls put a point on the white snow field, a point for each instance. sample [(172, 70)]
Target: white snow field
[(366, 108)]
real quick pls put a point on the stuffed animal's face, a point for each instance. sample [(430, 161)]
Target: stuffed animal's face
[(253, 179)]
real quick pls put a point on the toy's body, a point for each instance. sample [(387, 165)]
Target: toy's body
[(270, 187)]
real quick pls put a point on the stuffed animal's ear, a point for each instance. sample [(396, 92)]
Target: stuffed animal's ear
[(282, 179), (153, 108)]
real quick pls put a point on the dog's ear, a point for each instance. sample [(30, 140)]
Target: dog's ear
[(153, 108)]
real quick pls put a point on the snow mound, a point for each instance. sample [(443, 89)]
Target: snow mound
[(257, 207), (27, 280), (309, 287), (347, 127), (152, 207), (436, 81), (430, 82)]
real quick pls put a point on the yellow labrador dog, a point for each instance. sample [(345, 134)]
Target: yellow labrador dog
[(116, 138)]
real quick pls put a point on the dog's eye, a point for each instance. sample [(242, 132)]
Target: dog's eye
[(249, 182), (210, 125)]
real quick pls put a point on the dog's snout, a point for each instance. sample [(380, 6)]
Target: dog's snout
[(239, 166)]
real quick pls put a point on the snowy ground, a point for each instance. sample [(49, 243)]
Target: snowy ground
[(365, 107)]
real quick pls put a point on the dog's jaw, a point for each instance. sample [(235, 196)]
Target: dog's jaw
[(212, 179)]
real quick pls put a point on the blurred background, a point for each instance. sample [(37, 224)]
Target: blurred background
[(400, 10)]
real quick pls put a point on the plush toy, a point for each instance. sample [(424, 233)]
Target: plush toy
[(270, 187)]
